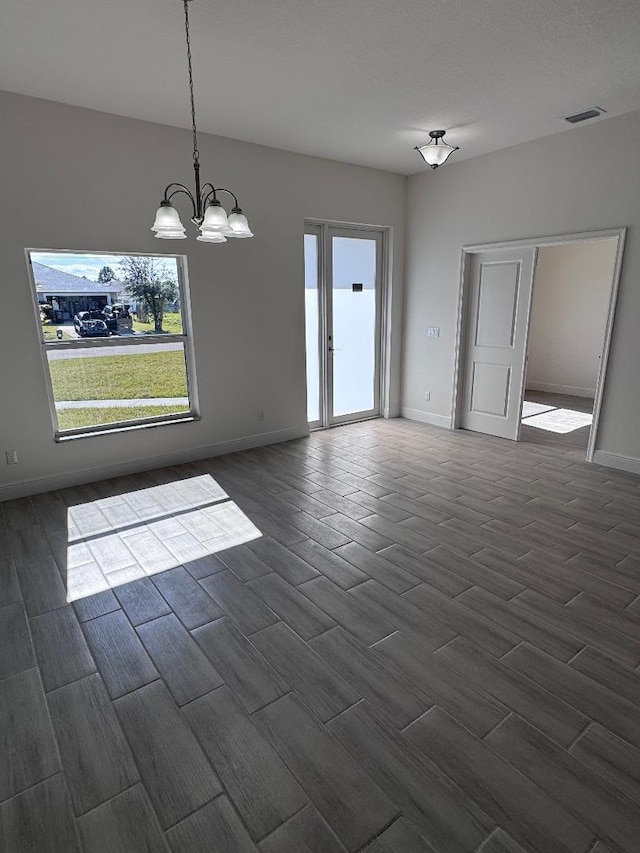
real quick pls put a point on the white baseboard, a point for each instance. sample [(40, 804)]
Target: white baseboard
[(571, 390), (90, 475), (426, 417), (613, 460)]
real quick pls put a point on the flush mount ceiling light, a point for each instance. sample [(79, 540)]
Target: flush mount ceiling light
[(211, 217), (436, 151)]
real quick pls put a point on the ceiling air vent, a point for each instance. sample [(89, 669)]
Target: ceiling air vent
[(585, 116)]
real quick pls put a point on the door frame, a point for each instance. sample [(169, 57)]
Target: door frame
[(535, 242), (322, 228)]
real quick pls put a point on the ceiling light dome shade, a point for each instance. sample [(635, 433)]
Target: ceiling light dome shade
[(239, 224), (436, 151), (215, 218), (167, 225)]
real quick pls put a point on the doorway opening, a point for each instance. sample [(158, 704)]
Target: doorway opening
[(534, 330), (571, 291), (344, 289)]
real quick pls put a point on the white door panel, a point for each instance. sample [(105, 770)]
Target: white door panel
[(500, 289)]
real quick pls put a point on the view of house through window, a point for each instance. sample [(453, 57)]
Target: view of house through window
[(114, 332)]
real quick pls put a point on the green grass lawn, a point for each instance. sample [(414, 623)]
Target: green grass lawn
[(75, 418), (119, 377), (171, 323), (49, 334)]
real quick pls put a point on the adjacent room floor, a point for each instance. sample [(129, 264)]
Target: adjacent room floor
[(557, 420), (385, 637)]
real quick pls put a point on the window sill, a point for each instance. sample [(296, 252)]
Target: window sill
[(62, 437)]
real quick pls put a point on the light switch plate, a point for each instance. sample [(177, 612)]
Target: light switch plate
[(433, 332)]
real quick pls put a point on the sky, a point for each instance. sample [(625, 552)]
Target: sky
[(87, 265)]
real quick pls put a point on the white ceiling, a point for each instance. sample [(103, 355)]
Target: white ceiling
[(356, 80)]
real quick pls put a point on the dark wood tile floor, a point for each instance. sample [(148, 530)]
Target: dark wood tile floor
[(385, 637)]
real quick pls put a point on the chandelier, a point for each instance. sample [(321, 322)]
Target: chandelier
[(208, 213), (436, 151)]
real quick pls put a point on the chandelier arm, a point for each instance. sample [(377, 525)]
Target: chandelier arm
[(180, 189), (233, 195), (208, 192)]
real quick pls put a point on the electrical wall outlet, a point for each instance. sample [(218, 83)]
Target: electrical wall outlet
[(260, 415), (11, 457), (427, 396)]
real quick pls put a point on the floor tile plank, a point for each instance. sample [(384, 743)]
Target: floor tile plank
[(443, 814), (121, 825), (610, 816), (329, 563), (353, 806), (174, 770), (294, 608), (121, 658), (141, 601), (372, 677), (216, 823), (468, 704), (347, 610), (305, 832), (239, 602), (39, 819), (27, 741), (16, 649), (324, 691), (559, 721), (42, 587), (401, 837), (63, 654), (95, 756), (177, 657), (530, 816), (249, 675), (187, 598), (259, 784), (610, 756)]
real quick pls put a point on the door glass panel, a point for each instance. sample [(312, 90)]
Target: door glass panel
[(312, 326), (354, 324)]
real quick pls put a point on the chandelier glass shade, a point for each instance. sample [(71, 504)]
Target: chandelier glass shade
[(207, 211), (436, 151)]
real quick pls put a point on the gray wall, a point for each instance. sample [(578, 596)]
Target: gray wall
[(582, 180), (78, 179), (569, 315)]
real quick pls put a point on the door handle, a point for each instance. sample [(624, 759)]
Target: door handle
[(334, 349)]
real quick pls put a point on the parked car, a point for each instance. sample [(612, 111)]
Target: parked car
[(88, 326)]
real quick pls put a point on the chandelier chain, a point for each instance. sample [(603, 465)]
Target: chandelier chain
[(196, 152)]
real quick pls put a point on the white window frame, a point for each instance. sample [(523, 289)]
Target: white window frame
[(186, 339)]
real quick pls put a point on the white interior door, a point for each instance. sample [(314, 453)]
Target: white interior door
[(499, 301)]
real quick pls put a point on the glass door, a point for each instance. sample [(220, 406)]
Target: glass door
[(342, 301), (313, 326)]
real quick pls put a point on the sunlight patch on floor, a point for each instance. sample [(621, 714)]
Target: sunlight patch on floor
[(558, 420), (529, 408), (113, 541)]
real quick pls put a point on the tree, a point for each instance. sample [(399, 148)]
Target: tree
[(106, 275), (148, 281)]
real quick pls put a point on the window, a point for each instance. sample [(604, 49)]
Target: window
[(116, 339)]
